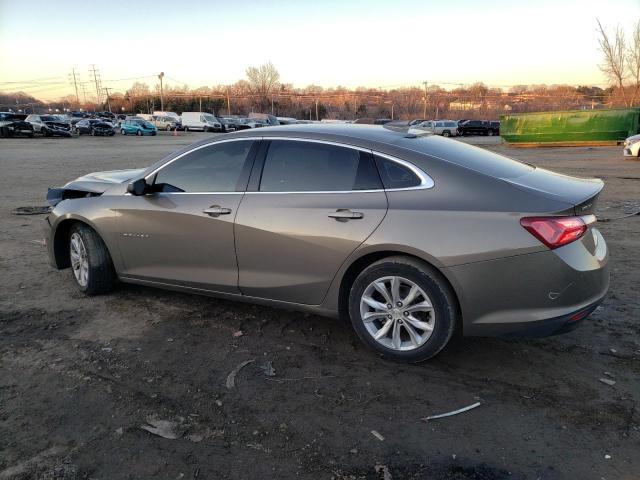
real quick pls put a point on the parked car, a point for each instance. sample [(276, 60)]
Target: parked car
[(137, 126), (174, 115), (49, 125), (446, 128), (244, 124), (163, 122), (417, 121), (200, 121), (632, 146), (410, 237), (495, 127), (381, 121), (475, 127), (94, 126), (108, 115), (12, 124)]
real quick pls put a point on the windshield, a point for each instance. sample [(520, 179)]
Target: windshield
[(48, 118), (209, 118)]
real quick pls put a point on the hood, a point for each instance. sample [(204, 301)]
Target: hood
[(91, 185), (581, 193)]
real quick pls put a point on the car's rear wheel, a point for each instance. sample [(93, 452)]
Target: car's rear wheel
[(446, 133), (168, 128), (186, 129), (123, 132), (490, 133), (44, 132), (402, 309), (90, 261)]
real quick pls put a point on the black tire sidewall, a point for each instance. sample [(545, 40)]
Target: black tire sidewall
[(101, 276), (434, 287)]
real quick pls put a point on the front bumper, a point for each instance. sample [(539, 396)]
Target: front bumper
[(631, 150)]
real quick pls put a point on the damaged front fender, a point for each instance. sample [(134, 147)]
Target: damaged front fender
[(91, 185)]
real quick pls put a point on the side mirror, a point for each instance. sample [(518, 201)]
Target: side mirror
[(138, 187)]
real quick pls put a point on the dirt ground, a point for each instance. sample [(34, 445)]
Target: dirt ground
[(80, 376)]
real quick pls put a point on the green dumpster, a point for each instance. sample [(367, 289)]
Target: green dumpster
[(571, 127)]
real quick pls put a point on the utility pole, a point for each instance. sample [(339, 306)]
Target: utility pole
[(106, 89), (317, 118), (161, 76), (93, 70), (200, 104), (83, 87), (424, 115), (75, 84), (228, 104)]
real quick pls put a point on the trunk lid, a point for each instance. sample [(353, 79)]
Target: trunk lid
[(582, 193)]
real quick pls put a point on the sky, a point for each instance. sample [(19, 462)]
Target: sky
[(367, 43)]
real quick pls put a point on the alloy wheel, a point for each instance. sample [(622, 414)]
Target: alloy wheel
[(397, 313), (79, 259)]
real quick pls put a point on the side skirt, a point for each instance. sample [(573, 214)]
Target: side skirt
[(236, 297)]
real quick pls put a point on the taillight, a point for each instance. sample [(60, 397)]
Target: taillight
[(555, 232)]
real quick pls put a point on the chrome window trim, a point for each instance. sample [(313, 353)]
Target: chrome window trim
[(426, 181)]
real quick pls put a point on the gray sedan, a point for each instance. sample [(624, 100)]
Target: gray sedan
[(411, 237)]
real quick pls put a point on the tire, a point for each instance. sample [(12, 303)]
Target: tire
[(446, 133), (44, 132), (91, 265), (168, 128), (139, 133), (123, 132), (93, 132), (441, 318), (490, 133), (186, 129)]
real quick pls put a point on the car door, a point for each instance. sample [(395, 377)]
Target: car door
[(308, 206), (182, 232)]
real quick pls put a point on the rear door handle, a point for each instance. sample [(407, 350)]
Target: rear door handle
[(216, 210), (344, 214)]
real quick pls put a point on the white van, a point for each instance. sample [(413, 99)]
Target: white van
[(200, 121)]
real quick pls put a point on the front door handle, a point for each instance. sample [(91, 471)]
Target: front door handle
[(216, 210), (344, 215)]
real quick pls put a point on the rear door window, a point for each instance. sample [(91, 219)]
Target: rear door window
[(298, 166)]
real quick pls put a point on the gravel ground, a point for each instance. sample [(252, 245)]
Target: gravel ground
[(80, 376)]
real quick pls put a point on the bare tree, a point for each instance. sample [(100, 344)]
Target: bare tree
[(614, 51), (633, 61), (263, 80)]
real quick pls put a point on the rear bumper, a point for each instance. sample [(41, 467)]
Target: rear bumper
[(551, 326), (536, 294)]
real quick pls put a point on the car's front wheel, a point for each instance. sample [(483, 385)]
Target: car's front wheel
[(122, 131), (403, 309), (139, 133), (90, 261)]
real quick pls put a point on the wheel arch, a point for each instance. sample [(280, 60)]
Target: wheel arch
[(60, 239), (358, 264)]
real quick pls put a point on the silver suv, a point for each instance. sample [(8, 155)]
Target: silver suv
[(446, 128)]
